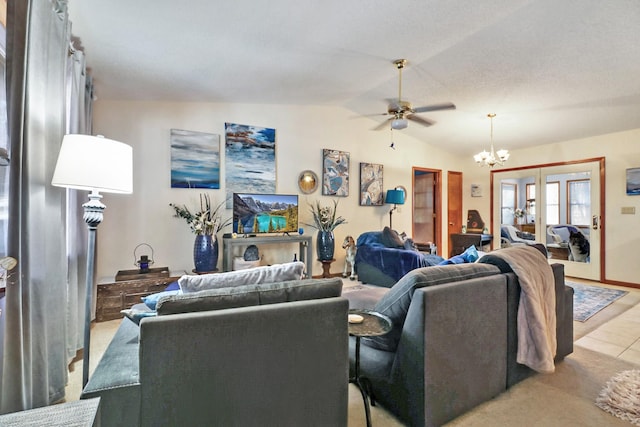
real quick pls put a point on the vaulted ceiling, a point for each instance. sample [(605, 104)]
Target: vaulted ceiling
[(551, 70)]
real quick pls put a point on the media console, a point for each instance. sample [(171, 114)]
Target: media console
[(228, 243)]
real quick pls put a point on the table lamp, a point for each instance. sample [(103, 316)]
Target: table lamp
[(395, 197), (95, 164)]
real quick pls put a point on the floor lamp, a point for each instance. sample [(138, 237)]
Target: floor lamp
[(96, 164), (395, 197)]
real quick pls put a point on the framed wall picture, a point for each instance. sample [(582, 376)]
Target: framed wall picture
[(335, 173), (371, 190), (195, 159), (250, 160), (633, 182)]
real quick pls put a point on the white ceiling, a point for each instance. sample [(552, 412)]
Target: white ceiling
[(551, 70)]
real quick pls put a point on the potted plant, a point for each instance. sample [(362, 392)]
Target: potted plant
[(205, 223), (325, 221)]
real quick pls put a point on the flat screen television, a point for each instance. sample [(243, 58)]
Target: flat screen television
[(265, 213)]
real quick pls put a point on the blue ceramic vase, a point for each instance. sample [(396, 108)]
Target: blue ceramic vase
[(205, 253), (325, 245)]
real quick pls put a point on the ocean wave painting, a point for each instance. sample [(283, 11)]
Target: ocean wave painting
[(195, 159), (250, 160)]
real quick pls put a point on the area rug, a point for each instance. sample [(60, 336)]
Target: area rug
[(621, 396), (588, 300)]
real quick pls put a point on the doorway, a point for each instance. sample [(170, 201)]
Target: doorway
[(426, 228), (559, 205)]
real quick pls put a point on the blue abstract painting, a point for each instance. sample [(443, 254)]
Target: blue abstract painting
[(250, 160), (195, 159), (335, 173)]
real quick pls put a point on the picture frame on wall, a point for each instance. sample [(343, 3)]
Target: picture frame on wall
[(335, 173), (633, 182), (371, 189), (250, 160), (195, 159)]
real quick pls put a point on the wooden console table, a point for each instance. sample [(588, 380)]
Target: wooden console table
[(228, 243), (113, 296), (461, 241)]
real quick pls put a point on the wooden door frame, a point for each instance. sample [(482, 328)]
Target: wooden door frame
[(437, 202)]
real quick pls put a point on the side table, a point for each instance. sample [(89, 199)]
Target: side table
[(373, 324)]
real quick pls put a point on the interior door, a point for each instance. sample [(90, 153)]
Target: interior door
[(555, 205), (454, 206), (426, 206)]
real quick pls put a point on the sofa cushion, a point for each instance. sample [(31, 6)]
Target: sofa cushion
[(151, 300), (370, 238), (395, 303), (248, 295), (266, 274), (391, 239)]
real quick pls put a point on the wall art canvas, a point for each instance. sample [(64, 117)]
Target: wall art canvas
[(633, 181), (371, 190), (195, 159), (335, 173), (250, 160)]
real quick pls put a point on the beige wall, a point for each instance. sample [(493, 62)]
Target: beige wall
[(302, 132)]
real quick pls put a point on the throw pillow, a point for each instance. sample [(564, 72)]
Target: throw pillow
[(251, 276), (469, 255), (136, 315), (152, 300), (391, 239), (395, 303)]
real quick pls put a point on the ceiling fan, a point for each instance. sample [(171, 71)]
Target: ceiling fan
[(402, 111)]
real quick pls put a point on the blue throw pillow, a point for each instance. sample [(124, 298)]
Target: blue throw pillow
[(173, 286), (152, 300), (469, 255)]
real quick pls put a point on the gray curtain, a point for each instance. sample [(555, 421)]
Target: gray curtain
[(41, 324)]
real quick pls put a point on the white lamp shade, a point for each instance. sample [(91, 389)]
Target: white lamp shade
[(399, 124), (95, 163)]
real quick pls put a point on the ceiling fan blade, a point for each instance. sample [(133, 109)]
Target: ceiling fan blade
[(383, 125), (421, 120), (435, 107)]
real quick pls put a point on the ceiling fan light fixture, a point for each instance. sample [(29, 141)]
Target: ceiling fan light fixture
[(398, 124), (492, 158)]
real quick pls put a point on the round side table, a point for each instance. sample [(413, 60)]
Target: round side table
[(373, 324)]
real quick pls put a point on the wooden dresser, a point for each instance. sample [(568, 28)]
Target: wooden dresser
[(115, 295)]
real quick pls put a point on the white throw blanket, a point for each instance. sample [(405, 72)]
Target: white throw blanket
[(537, 310)]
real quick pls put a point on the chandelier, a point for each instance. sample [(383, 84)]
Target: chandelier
[(492, 158)]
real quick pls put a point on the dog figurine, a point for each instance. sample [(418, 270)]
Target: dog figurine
[(579, 247), (350, 246)]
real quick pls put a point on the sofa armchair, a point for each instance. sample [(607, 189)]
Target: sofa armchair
[(269, 355), (383, 257), (455, 339)]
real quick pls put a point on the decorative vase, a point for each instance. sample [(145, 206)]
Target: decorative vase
[(325, 245), (205, 253)]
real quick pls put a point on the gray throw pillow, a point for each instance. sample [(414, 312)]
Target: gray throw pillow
[(395, 303), (391, 239)]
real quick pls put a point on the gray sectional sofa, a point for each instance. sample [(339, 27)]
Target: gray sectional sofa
[(455, 338), (269, 355)]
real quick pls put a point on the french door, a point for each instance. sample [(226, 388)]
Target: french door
[(557, 205)]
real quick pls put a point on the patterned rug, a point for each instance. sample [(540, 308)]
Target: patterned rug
[(621, 396), (588, 300)]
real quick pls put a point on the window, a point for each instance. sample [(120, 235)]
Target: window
[(531, 201), (553, 202), (579, 200), (509, 193)]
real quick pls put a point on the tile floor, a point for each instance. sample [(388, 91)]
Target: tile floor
[(615, 331)]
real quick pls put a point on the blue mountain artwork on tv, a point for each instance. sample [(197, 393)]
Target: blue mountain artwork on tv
[(265, 213)]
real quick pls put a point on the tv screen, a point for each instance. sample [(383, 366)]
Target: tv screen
[(265, 213)]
